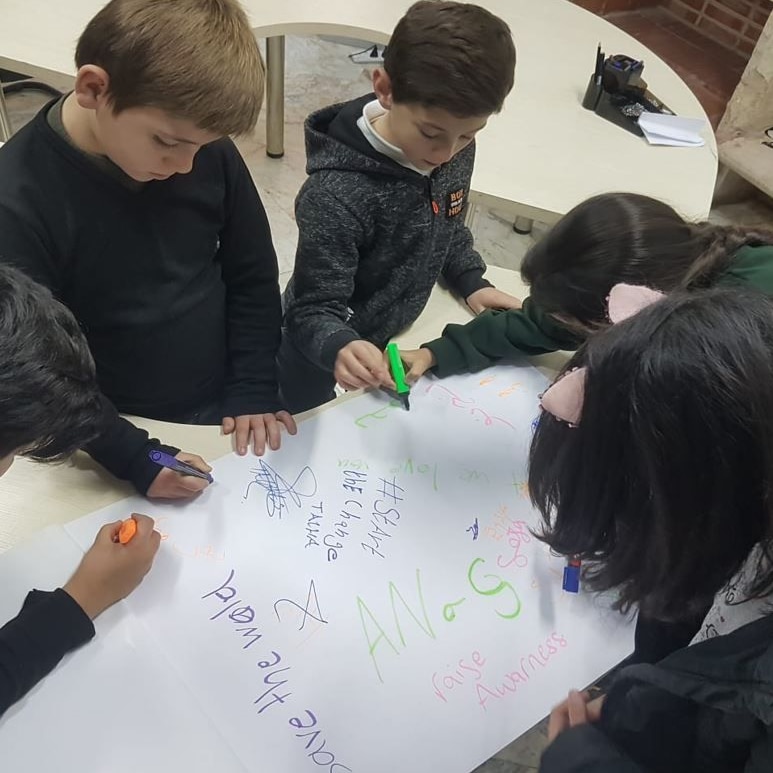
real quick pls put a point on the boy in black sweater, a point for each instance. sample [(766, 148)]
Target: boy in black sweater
[(127, 199), (381, 216), (49, 406)]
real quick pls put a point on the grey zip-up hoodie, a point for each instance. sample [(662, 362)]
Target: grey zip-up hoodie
[(374, 237)]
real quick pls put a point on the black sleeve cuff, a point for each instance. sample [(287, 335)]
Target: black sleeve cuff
[(470, 281), (142, 471), (62, 613), (122, 449), (334, 344), (247, 405)]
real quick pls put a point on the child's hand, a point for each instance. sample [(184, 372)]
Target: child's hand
[(491, 298), (359, 365), (577, 709), (262, 426), (419, 361), (110, 571), (169, 484)]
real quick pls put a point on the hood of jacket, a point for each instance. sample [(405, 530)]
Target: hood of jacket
[(335, 142)]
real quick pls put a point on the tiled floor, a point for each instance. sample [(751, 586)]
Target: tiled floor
[(709, 69), (319, 73)]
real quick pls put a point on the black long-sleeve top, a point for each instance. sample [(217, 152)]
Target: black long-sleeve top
[(175, 281)]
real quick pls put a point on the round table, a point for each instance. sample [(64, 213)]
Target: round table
[(542, 155)]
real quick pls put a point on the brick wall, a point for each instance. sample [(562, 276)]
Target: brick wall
[(707, 42), (735, 24)]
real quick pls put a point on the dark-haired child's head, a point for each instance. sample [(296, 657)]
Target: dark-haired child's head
[(448, 67), (624, 237), (666, 479), (49, 398)]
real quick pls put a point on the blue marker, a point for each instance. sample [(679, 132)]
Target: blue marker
[(171, 463), (571, 583)]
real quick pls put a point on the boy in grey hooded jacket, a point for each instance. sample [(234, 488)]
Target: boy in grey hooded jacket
[(381, 215)]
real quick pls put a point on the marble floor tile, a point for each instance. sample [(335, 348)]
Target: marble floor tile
[(756, 212), (284, 278), (527, 749)]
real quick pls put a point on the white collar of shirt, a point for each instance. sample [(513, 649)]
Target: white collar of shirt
[(370, 113)]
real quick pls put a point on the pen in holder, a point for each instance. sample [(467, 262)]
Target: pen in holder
[(617, 92), (596, 83), (592, 94)]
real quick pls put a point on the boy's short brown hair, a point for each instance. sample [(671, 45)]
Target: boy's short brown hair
[(194, 59), (456, 56)]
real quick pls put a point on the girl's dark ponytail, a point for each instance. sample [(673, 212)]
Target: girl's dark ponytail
[(719, 244)]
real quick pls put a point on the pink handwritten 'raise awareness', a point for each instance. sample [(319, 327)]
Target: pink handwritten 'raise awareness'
[(470, 672)]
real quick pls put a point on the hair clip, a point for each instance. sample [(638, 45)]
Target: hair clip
[(626, 300), (564, 398)]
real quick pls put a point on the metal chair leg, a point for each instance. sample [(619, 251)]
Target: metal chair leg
[(275, 97), (523, 225)]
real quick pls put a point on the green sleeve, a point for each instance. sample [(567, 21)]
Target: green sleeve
[(751, 266), (497, 334)]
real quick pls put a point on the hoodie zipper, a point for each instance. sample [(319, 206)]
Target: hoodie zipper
[(435, 207)]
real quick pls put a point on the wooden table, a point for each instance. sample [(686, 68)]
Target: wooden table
[(34, 495), (542, 155)]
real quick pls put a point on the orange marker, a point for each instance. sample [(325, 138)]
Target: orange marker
[(127, 531)]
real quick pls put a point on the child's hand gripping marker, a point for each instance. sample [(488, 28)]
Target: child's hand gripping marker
[(402, 390), (127, 531)]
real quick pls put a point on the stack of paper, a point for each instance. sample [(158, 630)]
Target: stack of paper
[(663, 129)]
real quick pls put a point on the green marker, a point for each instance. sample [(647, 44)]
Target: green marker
[(398, 374)]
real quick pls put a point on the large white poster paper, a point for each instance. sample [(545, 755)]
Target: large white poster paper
[(370, 598)]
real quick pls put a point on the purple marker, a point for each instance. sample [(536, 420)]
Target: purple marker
[(170, 462)]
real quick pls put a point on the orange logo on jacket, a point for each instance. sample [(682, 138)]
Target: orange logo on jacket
[(455, 202)]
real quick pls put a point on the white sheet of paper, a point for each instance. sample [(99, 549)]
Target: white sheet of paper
[(664, 129), (369, 598), (657, 139)]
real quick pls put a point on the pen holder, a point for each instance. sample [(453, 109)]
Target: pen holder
[(618, 93), (619, 110), (592, 94)]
